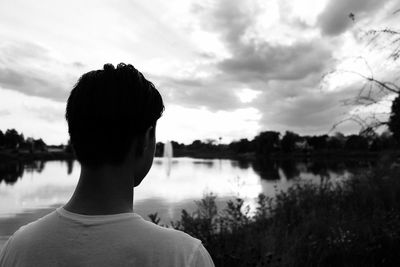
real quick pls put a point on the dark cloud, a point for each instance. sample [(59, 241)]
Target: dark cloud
[(33, 82), (210, 93), (268, 62), (308, 109), (28, 68), (335, 19), (305, 112), (256, 59), (227, 18)]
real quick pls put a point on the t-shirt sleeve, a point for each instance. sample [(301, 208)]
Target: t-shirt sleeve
[(202, 258)]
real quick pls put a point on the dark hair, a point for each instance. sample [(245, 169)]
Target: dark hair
[(107, 109)]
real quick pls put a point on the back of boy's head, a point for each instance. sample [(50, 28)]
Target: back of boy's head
[(107, 109)]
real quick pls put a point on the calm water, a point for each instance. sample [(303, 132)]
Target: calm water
[(28, 191)]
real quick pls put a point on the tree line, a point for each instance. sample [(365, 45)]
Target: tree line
[(268, 142), (11, 139), (264, 143)]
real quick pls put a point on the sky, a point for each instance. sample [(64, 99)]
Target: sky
[(225, 68)]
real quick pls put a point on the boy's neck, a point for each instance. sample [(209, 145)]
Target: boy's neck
[(106, 190)]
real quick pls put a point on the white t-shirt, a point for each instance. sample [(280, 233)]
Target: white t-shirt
[(63, 238)]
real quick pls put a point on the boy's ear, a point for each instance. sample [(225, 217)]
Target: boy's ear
[(144, 140), (149, 134)]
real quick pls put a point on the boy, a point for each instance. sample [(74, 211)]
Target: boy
[(111, 115)]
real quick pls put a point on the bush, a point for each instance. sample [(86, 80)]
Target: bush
[(352, 223)]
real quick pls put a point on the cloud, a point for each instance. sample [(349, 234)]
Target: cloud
[(228, 18), (29, 68), (211, 93), (4, 112), (267, 62), (285, 74), (252, 62), (309, 109), (256, 58), (334, 20), (278, 49), (50, 113), (32, 82), (78, 64)]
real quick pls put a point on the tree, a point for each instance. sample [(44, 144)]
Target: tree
[(12, 139), (267, 142), (385, 141), (394, 120), (288, 141), (1, 138), (318, 142), (69, 148), (39, 144), (241, 146), (159, 149), (176, 145), (336, 141), (356, 142), (196, 144)]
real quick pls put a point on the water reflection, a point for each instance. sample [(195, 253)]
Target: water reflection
[(34, 166), (208, 164), (290, 169), (9, 173), (324, 169), (70, 166), (243, 164), (27, 190), (266, 168)]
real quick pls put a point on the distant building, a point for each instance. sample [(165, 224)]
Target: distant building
[(55, 149), (302, 145)]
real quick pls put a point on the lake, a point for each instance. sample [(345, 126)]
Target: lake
[(31, 190)]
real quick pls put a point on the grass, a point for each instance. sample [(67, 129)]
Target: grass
[(352, 223)]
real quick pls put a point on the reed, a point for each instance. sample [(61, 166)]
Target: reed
[(352, 223)]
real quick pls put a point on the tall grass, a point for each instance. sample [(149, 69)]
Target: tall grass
[(352, 223)]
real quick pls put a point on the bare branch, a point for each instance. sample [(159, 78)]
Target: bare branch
[(365, 125), (373, 90), (384, 85)]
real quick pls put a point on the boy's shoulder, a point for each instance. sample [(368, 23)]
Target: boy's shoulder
[(62, 236), (37, 228), (60, 224)]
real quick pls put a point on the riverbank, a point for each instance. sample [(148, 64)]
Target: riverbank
[(334, 155), (9, 155), (354, 223), (13, 155)]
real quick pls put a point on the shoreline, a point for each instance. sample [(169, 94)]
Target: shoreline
[(7, 156), (318, 155)]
